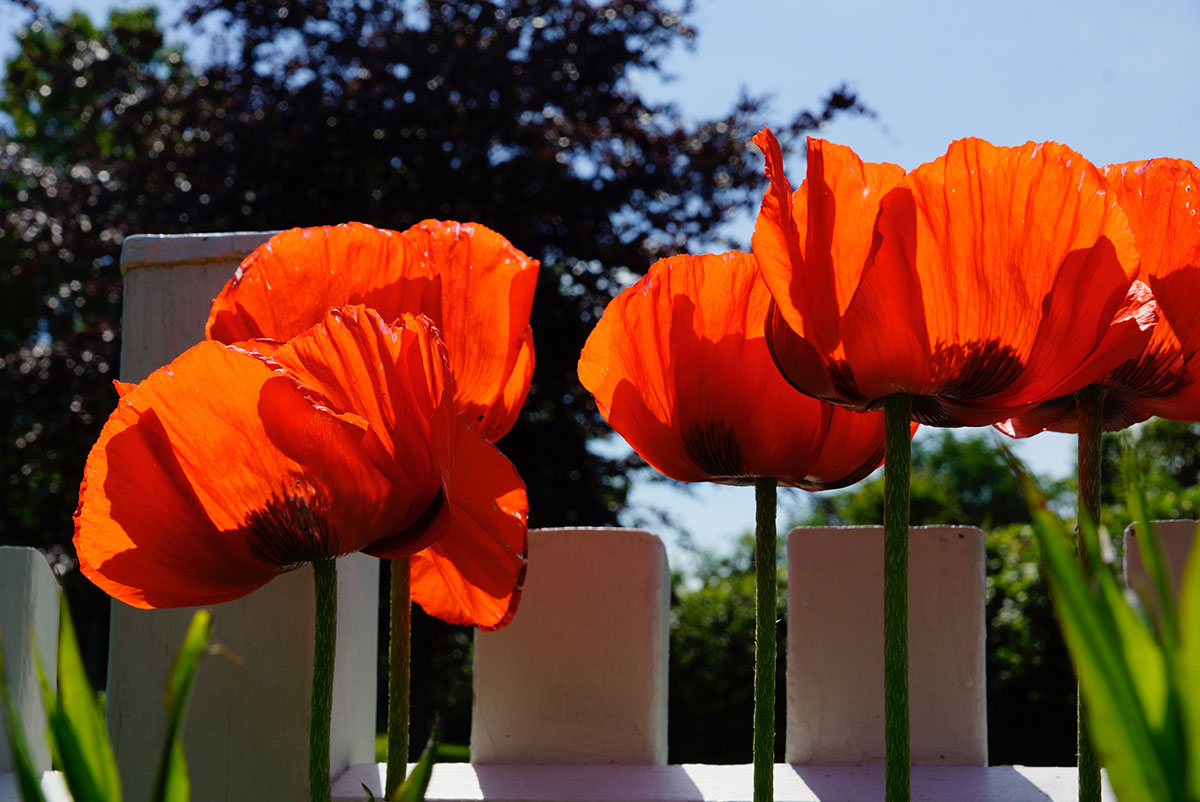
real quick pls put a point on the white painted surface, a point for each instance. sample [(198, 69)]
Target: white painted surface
[(28, 612), (1177, 539), (465, 782), (54, 788), (835, 646), (580, 675), (247, 726), (170, 283)]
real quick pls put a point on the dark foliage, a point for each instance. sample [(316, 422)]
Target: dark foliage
[(711, 692), (520, 114), (1167, 454)]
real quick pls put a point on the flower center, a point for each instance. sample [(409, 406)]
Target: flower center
[(289, 532), (713, 448)]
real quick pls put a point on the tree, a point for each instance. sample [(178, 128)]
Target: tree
[(87, 108), (1167, 456), (711, 687), (90, 111), (519, 114)]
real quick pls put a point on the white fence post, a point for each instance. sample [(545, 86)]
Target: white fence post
[(1177, 537), (247, 727), (835, 652), (28, 609), (580, 675)]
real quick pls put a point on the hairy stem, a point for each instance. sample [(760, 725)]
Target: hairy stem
[(399, 669), (764, 639), (896, 474), (1090, 402), (321, 707)]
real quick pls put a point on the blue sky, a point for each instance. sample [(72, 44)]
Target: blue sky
[(1116, 81)]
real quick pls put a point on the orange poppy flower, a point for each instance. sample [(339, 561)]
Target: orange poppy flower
[(478, 290), (983, 283), (226, 468), (1160, 197), (475, 286), (678, 365)]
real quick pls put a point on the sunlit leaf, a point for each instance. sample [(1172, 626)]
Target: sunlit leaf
[(171, 783), (1188, 665), (1128, 675), (1150, 548), (417, 783), (77, 726)]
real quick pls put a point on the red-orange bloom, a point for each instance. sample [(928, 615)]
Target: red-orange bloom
[(475, 286), (226, 468), (983, 283), (679, 366), (478, 290), (1160, 197)]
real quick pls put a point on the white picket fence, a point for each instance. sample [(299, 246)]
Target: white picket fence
[(570, 700)]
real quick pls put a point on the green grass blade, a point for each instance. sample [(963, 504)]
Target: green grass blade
[(28, 778), (1165, 704), (77, 726), (171, 783), (177, 787), (1093, 636), (1150, 547), (417, 783), (1188, 667), (1151, 672)]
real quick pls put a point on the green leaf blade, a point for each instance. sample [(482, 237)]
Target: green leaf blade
[(77, 726), (171, 782), (1116, 720), (1188, 667), (416, 784)]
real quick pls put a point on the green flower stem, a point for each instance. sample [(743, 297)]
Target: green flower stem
[(399, 668), (764, 640), (321, 708), (897, 456), (1090, 402)]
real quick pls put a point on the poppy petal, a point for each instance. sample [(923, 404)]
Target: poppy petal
[(485, 288), (286, 284), (812, 245), (1126, 336), (1025, 261), (1160, 197), (679, 366), (396, 378), (500, 417), (190, 490), (851, 448), (472, 575), (803, 366), (470, 281)]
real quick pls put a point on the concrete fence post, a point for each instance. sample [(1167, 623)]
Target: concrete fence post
[(580, 675), (1178, 538), (247, 726), (835, 652)]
